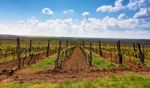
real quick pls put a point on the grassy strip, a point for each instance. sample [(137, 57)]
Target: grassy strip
[(100, 63), (45, 64), (37, 85), (147, 62), (129, 80)]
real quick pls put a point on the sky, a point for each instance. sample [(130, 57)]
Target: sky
[(76, 18)]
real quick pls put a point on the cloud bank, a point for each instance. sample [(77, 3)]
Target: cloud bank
[(122, 26), (108, 27)]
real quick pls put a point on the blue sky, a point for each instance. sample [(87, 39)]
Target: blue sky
[(13, 10), (110, 18)]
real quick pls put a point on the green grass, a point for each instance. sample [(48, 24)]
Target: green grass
[(147, 62), (27, 85), (45, 64), (101, 63), (128, 80)]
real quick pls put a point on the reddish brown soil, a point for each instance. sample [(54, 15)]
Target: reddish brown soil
[(7, 68), (8, 65), (73, 68), (76, 63), (131, 65)]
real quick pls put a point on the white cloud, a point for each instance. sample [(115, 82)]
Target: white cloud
[(90, 25), (85, 14), (68, 11), (33, 20), (132, 5), (109, 8), (122, 16), (104, 8), (65, 12), (142, 8), (47, 11), (136, 4), (93, 27), (143, 13), (118, 3)]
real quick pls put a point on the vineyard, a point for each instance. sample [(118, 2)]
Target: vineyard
[(56, 60)]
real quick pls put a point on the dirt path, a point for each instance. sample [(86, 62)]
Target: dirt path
[(73, 68), (76, 62)]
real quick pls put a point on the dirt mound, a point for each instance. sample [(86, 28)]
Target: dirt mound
[(76, 62), (73, 68)]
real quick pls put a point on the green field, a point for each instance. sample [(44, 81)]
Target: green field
[(127, 80)]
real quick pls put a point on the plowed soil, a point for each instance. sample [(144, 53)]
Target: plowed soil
[(131, 65), (9, 68), (73, 68), (76, 62)]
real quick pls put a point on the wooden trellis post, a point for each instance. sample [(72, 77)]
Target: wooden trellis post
[(58, 56), (90, 57), (141, 55), (18, 52), (83, 45), (25, 57), (134, 48), (30, 49), (48, 46), (66, 52), (100, 49), (30, 46), (119, 52), (144, 49)]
